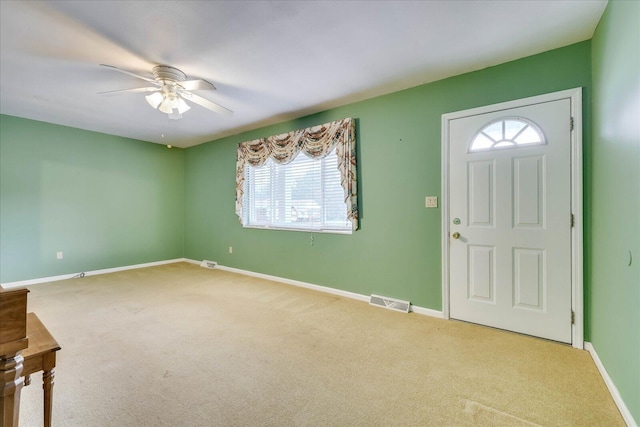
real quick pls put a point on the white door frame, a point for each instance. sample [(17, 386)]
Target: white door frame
[(577, 296)]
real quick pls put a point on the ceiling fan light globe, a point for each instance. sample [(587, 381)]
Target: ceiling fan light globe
[(172, 100), (154, 99), (175, 116), (166, 106), (182, 106)]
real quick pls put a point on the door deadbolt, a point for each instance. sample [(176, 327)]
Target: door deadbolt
[(456, 221)]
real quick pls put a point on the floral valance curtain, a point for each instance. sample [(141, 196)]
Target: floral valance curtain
[(316, 142)]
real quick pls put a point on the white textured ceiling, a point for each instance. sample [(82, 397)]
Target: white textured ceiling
[(270, 60)]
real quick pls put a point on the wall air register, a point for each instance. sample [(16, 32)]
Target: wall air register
[(208, 264), (390, 303)]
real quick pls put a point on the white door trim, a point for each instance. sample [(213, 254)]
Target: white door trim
[(577, 297)]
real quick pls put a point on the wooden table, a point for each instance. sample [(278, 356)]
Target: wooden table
[(40, 355)]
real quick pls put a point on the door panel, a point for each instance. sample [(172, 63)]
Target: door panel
[(481, 194), (481, 279), (528, 192), (510, 268), (529, 278)]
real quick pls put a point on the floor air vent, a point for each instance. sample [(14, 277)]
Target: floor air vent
[(393, 304), (208, 264)]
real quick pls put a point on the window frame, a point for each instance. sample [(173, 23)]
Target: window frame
[(320, 227)]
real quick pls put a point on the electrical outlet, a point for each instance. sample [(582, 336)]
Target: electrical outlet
[(230, 250), (59, 255), (431, 202)]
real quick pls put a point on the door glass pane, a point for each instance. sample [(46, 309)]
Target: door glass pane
[(507, 133)]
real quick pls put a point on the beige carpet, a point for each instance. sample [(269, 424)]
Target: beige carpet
[(180, 345)]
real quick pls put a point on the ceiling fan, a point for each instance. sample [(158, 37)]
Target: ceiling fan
[(170, 89)]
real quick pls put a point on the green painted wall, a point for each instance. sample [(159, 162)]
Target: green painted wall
[(102, 200), (397, 250), (614, 225)]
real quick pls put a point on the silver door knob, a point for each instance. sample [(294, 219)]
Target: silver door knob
[(456, 235)]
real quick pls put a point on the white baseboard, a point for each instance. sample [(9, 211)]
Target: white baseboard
[(88, 273), (427, 311), (624, 411), (23, 283), (325, 289)]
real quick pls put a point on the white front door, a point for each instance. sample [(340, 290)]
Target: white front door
[(510, 219)]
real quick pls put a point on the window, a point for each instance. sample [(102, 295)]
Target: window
[(304, 194), (300, 180), (507, 133)]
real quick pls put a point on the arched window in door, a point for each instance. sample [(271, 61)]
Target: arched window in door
[(509, 132)]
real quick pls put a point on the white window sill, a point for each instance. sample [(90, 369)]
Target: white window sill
[(304, 230)]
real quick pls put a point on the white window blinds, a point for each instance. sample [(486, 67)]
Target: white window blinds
[(304, 194)]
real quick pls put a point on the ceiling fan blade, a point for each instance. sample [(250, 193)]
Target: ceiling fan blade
[(148, 79), (134, 90), (205, 103), (196, 85)]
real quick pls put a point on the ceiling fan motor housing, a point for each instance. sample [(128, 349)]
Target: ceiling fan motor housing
[(164, 73)]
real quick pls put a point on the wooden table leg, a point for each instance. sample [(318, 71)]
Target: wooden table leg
[(47, 380), (48, 374), (11, 381)]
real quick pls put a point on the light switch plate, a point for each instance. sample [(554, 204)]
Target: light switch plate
[(431, 201)]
